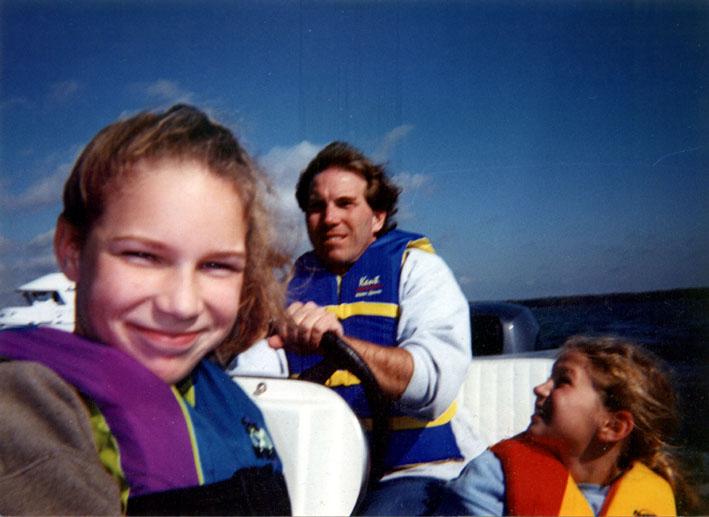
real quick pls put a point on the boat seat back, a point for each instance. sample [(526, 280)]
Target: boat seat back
[(497, 393), (321, 443)]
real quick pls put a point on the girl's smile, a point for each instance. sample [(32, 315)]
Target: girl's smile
[(172, 342)]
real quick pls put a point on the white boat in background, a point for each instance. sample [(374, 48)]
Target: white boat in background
[(50, 303)]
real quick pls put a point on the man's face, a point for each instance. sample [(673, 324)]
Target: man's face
[(341, 224)]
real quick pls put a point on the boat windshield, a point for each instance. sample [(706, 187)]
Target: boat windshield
[(42, 296)]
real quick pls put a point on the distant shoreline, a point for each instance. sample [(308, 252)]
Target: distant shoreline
[(694, 293)]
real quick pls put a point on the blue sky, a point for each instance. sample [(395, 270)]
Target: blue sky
[(547, 148)]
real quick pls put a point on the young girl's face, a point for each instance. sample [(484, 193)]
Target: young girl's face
[(161, 271), (568, 410)]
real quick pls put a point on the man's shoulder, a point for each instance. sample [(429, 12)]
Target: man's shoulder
[(429, 272), (402, 236), (421, 260), (399, 243)]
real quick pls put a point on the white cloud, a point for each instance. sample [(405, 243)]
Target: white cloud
[(164, 90), (62, 91), (465, 280), (283, 165), (44, 192), (6, 246), (411, 185), (411, 182), (42, 241), (288, 162), (381, 153)]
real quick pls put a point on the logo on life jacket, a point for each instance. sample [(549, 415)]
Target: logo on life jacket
[(260, 440), (368, 286)]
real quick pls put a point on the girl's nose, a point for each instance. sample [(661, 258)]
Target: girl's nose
[(179, 295), (543, 389)]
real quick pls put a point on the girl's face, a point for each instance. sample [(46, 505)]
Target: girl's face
[(568, 410), (160, 274)]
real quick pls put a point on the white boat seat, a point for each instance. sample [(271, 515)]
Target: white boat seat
[(322, 446), (498, 393), (317, 434)]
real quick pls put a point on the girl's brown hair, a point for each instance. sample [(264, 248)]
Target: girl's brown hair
[(185, 133)]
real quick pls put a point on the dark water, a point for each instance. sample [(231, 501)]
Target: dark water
[(673, 324)]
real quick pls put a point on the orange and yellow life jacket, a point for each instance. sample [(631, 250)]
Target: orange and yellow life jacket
[(537, 483)]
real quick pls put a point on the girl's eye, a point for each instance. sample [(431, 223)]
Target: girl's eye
[(562, 380), (217, 265), (139, 255), (222, 266)]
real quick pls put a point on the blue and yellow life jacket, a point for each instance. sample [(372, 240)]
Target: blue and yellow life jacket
[(151, 436), (366, 301)]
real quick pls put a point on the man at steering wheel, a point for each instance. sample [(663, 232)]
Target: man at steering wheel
[(397, 304)]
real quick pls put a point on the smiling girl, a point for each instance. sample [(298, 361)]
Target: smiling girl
[(596, 443), (166, 237)]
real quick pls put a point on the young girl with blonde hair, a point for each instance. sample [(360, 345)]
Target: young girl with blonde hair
[(596, 443)]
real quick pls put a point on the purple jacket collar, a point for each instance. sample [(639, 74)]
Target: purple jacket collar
[(141, 410)]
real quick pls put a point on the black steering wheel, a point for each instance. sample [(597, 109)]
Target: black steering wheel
[(338, 355)]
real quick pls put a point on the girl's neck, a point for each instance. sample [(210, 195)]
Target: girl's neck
[(595, 469)]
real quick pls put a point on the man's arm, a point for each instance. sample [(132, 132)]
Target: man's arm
[(392, 367), (434, 327), (426, 369)]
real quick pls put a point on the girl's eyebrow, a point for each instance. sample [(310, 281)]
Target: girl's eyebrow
[(159, 246), (221, 255), (561, 369), (135, 239)]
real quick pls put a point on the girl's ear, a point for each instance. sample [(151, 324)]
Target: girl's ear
[(67, 248), (617, 426)]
